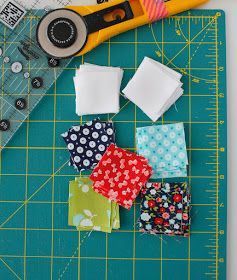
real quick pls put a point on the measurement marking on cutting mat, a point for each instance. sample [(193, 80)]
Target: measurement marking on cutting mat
[(74, 253), (206, 179), (26, 171)]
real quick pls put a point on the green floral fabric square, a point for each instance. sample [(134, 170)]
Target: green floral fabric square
[(89, 210)]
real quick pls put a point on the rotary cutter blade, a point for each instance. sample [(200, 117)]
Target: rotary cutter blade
[(62, 33), (76, 30)]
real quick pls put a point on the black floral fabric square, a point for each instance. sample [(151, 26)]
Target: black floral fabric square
[(165, 209)]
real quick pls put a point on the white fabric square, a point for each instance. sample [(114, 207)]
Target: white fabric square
[(172, 73), (154, 88), (97, 89), (98, 93), (92, 67)]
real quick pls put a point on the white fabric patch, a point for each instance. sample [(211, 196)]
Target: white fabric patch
[(154, 88), (97, 89)]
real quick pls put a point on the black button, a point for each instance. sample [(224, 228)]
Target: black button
[(53, 62), (62, 32), (20, 103), (37, 82), (4, 125)]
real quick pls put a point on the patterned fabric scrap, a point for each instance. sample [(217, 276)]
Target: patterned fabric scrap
[(165, 209), (89, 210), (120, 175), (165, 148), (87, 143)]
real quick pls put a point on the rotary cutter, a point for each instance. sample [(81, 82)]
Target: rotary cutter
[(76, 30)]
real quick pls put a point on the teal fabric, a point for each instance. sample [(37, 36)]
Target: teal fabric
[(165, 148)]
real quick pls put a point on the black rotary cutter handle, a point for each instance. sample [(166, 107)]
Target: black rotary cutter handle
[(108, 17)]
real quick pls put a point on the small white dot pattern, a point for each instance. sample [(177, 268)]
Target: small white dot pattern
[(165, 148), (87, 143)]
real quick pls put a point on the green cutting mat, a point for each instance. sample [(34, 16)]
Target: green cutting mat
[(35, 239)]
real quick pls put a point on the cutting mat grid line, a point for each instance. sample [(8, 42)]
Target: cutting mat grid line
[(35, 239)]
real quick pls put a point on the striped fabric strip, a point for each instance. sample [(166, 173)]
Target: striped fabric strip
[(155, 9)]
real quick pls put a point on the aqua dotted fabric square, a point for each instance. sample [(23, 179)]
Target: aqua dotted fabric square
[(165, 148)]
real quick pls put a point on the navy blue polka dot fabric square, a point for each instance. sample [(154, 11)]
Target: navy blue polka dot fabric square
[(88, 142)]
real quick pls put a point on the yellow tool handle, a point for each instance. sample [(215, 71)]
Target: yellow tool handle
[(144, 11), (177, 6)]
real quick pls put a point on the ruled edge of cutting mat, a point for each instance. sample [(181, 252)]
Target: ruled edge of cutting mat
[(217, 269)]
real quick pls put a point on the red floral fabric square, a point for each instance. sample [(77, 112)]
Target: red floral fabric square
[(120, 175)]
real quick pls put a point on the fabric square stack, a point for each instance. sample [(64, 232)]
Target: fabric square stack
[(154, 88), (165, 148), (120, 175), (97, 89), (88, 142), (89, 210), (165, 209)]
